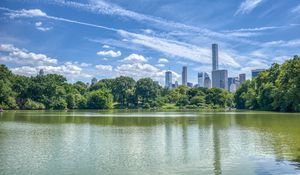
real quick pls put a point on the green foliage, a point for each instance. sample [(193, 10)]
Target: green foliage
[(32, 105), (123, 90), (198, 100), (58, 104), (147, 91), (276, 89), (100, 99), (183, 100)]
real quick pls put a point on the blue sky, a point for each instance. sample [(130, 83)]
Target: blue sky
[(144, 38)]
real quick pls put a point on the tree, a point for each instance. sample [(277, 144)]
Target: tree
[(59, 104), (100, 99), (32, 105), (198, 100), (146, 90), (183, 100), (275, 89), (123, 88)]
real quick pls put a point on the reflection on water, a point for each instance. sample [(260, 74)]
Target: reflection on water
[(139, 142)]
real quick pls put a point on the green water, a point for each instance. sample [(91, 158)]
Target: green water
[(95, 142)]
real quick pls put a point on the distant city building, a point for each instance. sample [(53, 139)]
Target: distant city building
[(215, 57), (201, 79), (231, 80), (255, 72), (176, 84), (184, 75), (168, 79), (189, 84), (237, 83), (93, 81), (242, 78), (204, 80), (41, 72), (233, 83), (232, 88), (207, 81), (220, 79)]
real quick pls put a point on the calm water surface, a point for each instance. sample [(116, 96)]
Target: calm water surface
[(97, 142)]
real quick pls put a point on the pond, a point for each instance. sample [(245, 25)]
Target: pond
[(149, 142)]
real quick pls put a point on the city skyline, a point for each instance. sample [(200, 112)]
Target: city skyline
[(106, 39)]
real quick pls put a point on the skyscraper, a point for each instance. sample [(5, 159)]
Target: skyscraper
[(242, 78), (94, 80), (207, 81), (215, 57), (184, 75), (176, 84), (232, 84), (220, 79), (41, 73), (200, 79), (204, 80), (168, 79), (255, 72)]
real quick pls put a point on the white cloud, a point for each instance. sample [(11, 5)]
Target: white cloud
[(106, 46), (282, 43), (110, 53), (247, 6), (85, 64), (179, 49), (163, 60), (160, 65), (26, 13), (258, 53), (296, 9), (68, 70), (107, 8), (254, 64), (142, 70), (39, 26), (256, 29), (104, 67), (22, 56), (135, 58)]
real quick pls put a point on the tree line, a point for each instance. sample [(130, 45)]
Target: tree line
[(52, 91), (276, 89)]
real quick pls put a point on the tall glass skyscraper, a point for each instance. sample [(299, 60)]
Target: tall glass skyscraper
[(204, 80), (255, 72), (242, 78), (215, 57), (168, 79), (184, 75), (220, 79)]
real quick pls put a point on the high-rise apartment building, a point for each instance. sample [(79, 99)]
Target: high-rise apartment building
[(255, 72), (200, 79), (184, 75), (242, 78), (204, 80), (215, 57), (168, 79), (207, 81), (41, 72), (94, 80), (220, 79)]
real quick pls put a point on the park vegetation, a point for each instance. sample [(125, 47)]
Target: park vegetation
[(53, 92), (276, 89)]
